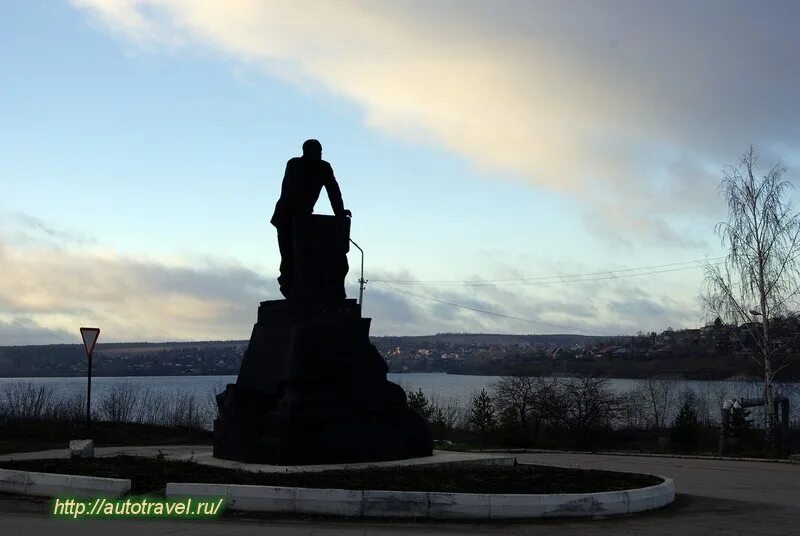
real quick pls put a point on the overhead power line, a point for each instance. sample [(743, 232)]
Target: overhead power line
[(562, 280), (543, 280), (569, 278), (493, 313)]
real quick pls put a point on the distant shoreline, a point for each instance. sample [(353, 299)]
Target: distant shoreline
[(674, 378), (691, 355)]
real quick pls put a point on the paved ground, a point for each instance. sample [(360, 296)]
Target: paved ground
[(203, 454), (764, 482), (715, 497)]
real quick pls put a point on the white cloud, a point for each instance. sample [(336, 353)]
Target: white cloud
[(48, 290), (23, 331), (46, 284), (626, 106), (629, 107)]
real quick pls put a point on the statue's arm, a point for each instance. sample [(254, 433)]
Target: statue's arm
[(279, 216), (285, 194), (334, 193)]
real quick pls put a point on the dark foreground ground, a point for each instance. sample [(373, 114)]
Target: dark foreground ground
[(32, 436), (150, 475), (715, 497)]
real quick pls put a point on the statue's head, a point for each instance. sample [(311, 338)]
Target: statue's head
[(312, 149)]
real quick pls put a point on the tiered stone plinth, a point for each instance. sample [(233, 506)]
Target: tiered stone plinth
[(312, 388)]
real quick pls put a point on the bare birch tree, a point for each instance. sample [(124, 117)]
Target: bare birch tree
[(758, 281), (657, 395)]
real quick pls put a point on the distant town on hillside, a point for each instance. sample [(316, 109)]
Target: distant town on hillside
[(716, 351)]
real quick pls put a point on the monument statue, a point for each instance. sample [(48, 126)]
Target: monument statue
[(312, 388), (302, 182)]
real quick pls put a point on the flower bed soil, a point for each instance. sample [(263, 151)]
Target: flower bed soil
[(150, 476)]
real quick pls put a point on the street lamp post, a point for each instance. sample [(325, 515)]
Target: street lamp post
[(361, 280)]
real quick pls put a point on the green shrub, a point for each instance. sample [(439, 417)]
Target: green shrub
[(481, 417), (419, 403), (686, 429)]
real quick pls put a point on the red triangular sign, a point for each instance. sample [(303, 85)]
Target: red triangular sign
[(89, 339)]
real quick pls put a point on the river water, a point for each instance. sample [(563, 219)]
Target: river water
[(451, 389), (456, 388)]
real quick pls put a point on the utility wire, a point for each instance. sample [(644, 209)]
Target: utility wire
[(543, 280), (562, 280), (607, 274), (493, 313)]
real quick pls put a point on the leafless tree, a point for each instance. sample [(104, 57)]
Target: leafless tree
[(720, 393), (759, 277), (120, 402), (516, 393), (152, 407), (588, 404), (632, 414), (186, 410), (446, 414), (704, 401), (657, 396), (72, 406), (26, 400)]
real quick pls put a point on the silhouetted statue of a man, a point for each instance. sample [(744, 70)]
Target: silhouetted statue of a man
[(302, 183)]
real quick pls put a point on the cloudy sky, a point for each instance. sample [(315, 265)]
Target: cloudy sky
[(512, 166)]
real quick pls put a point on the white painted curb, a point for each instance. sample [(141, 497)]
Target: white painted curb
[(52, 485), (432, 505)]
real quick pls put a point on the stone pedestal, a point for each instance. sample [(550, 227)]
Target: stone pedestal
[(320, 248), (312, 388)]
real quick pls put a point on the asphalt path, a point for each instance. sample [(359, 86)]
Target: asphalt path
[(761, 482), (714, 497)]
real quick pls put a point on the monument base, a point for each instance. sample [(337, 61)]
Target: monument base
[(312, 389)]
